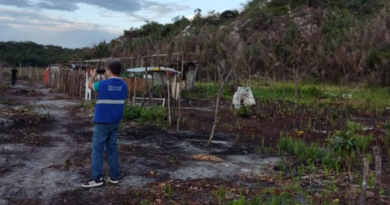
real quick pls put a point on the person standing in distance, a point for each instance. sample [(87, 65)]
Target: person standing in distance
[(13, 76), (108, 113)]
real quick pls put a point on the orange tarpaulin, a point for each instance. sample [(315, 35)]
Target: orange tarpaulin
[(46, 76)]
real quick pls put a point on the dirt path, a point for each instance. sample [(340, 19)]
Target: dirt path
[(34, 172), (45, 161)]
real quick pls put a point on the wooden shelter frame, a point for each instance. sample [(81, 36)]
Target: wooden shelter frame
[(140, 61)]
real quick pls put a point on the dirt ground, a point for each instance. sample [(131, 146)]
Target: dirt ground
[(45, 156), (45, 140)]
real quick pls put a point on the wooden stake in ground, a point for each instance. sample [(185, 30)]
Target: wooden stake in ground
[(366, 170), (169, 100), (378, 174), (181, 85)]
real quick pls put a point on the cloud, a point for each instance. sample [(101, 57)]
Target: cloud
[(33, 20), (57, 6), (17, 3), (156, 11), (124, 6), (68, 38), (42, 29)]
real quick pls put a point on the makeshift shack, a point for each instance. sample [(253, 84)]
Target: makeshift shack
[(160, 81)]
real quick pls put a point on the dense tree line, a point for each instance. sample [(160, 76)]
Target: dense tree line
[(32, 54)]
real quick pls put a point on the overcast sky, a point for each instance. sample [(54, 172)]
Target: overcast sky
[(81, 23)]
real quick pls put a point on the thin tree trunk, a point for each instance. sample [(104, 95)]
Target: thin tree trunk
[(378, 174), (221, 86), (366, 170)]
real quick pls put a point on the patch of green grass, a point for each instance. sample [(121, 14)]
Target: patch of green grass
[(308, 93), (8, 102), (4, 87), (153, 114), (85, 105)]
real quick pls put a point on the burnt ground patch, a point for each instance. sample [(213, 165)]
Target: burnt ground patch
[(25, 127), (168, 192), (157, 164)]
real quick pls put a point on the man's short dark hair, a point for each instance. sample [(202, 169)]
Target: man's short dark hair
[(115, 67)]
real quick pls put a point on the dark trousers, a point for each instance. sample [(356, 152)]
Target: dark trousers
[(13, 80)]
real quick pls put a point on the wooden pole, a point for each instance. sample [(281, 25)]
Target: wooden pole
[(366, 170), (181, 85), (378, 174), (169, 101)]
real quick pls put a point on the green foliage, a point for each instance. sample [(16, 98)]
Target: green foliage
[(244, 111), (8, 102), (274, 196), (336, 27), (221, 195), (33, 54), (256, 10), (240, 201), (349, 141), (132, 112), (229, 14), (4, 86), (378, 57), (298, 148), (361, 7), (269, 196), (153, 114), (145, 202), (85, 105), (344, 143), (156, 31), (292, 32), (101, 50)]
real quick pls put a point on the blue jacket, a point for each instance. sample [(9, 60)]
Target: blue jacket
[(110, 102)]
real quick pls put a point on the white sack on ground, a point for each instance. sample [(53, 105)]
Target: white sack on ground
[(245, 94)]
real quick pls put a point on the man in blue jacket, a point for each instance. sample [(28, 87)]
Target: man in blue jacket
[(108, 113)]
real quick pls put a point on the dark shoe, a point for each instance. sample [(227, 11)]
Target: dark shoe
[(109, 180), (93, 183)]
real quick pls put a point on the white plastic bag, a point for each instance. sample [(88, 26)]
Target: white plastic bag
[(245, 94)]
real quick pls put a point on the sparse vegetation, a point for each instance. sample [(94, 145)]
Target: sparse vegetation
[(153, 114)]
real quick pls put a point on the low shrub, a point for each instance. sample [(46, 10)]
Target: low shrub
[(154, 114), (132, 112)]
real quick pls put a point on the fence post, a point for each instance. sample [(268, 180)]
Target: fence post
[(378, 173), (366, 170)]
